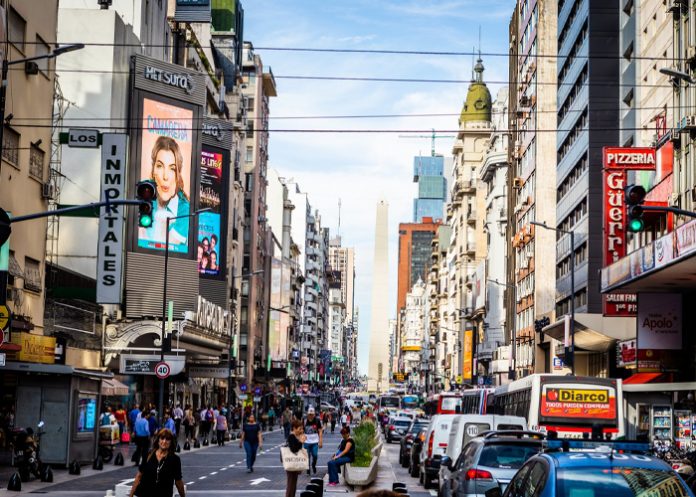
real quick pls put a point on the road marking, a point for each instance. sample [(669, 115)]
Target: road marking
[(232, 465), (190, 483), (223, 469), (213, 473), (202, 477), (258, 481)]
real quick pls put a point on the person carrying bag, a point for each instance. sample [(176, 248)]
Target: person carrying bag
[(294, 457)]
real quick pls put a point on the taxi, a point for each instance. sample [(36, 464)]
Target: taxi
[(594, 469)]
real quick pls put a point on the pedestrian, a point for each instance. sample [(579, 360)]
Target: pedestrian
[(236, 415), (344, 420), (189, 423), (287, 421), (332, 419), (271, 418), (315, 437), (178, 415), (252, 440), (221, 427), (107, 417), (264, 419), (295, 441), (206, 421), (152, 420), (121, 416), (345, 454), (169, 423), (161, 470), (141, 432)]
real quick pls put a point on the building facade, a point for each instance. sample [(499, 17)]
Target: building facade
[(429, 173)]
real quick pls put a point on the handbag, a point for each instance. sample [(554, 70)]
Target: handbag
[(292, 461)]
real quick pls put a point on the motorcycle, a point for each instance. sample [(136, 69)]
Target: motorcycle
[(25, 445)]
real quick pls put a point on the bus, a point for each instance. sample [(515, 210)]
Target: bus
[(568, 405), (443, 403), (388, 402), (477, 401), (410, 401)]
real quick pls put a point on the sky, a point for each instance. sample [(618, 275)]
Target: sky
[(362, 168)]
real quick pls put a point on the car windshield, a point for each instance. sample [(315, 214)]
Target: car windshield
[(416, 427), (507, 456), (401, 422), (451, 403), (619, 482)]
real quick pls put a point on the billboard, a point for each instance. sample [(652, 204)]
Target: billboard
[(166, 149), (568, 400), (279, 317), (211, 242), (468, 351), (659, 321)]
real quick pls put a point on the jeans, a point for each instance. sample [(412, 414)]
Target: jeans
[(335, 467), (313, 451), (251, 450), (286, 430), (220, 438)]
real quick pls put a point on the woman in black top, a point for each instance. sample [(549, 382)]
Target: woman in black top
[(345, 454), (296, 440), (160, 471), (252, 440)]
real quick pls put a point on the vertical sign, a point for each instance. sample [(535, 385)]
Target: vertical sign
[(211, 247), (617, 161), (468, 350), (659, 323), (111, 219)]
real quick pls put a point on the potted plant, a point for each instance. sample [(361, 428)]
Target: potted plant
[(363, 470)]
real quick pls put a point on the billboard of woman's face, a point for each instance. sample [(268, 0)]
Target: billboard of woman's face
[(166, 148)]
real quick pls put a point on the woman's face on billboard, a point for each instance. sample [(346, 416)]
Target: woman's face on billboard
[(165, 175)]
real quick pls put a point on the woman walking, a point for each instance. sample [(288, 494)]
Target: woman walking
[(161, 470), (252, 440), (221, 427), (189, 423), (296, 439)]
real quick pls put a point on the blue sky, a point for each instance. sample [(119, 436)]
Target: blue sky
[(361, 169)]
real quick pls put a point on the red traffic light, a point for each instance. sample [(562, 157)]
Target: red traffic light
[(146, 190), (635, 194)]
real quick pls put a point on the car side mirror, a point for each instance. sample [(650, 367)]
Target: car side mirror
[(493, 492), (446, 461)]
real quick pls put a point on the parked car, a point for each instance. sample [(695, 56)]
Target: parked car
[(488, 461), (407, 440), (594, 473), (414, 456), (436, 441), (396, 428)]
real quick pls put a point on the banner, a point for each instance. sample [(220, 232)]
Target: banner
[(468, 352), (165, 158), (211, 245), (572, 401), (659, 323)]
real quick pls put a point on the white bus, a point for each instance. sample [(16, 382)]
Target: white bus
[(568, 405), (477, 401)]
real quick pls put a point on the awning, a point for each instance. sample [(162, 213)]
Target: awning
[(111, 387), (594, 332), (640, 378)]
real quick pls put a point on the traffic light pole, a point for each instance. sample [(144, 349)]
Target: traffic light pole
[(673, 210)]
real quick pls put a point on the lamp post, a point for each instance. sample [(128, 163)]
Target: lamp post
[(570, 352), (234, 340), (6, 68), (678, 75), (512, 371), (165, 341)]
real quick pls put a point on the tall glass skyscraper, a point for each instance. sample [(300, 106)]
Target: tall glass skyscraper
[(428, 172)]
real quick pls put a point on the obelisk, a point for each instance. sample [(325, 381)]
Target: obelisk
[(378, 371)]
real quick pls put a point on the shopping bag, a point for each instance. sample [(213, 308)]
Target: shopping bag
[(294, 462), (125, 437)]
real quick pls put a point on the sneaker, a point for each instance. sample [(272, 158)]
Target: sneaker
[(333, 484), (314, 468)]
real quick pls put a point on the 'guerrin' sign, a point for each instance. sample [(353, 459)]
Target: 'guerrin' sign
[(616, 161)]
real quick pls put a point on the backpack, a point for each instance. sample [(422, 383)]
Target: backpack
[(208, 415)]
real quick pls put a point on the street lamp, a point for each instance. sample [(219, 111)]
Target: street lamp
[(512, 371), (678, 75), (572, 287), (6, 68), (165, 343)]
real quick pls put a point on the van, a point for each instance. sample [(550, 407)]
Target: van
[(465, 427), (434, 447)]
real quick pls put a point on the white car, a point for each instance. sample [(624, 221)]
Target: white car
[(325, 406)]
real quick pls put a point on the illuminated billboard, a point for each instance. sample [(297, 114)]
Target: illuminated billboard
[(211, 243)]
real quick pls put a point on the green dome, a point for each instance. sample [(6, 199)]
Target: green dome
[(478, 101)]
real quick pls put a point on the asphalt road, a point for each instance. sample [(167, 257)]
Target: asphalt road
[(401, 474)]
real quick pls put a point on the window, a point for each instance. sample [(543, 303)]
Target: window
[(42, 48), (250, 104), (32, 274), (36, 162), (250, 130), (17, 29), (10, 146), (249, 154)]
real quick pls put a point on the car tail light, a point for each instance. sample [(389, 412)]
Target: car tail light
[(421, 437), (430, 445), (478, 474), (391, 428), (675, 466)]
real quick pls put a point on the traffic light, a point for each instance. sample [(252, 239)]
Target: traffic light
[(635, 196), (5, 227), (146, 192)]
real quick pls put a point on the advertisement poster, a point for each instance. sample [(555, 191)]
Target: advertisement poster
[(166, 149), (210, 241), (86, 414), (467, 365), (564, 401), (659, 321), (626, 353)]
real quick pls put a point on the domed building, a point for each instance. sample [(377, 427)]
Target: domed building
[(477, 106)]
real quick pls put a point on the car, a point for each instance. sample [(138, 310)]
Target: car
[(435, 446), (609, 469), (396, 427), (325, 406), (486, 462), (414, 456), (406, 441)]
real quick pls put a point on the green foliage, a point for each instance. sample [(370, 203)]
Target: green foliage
[(365, 440)]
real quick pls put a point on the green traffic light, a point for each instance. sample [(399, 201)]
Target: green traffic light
[(636, 225), (145, 221)]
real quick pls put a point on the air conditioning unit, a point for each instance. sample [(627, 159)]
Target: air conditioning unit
[(48, 191)]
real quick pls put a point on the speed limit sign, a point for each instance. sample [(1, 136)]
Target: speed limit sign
[(162, 370)]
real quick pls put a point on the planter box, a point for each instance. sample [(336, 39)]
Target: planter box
[(360, 477), (123, 490)]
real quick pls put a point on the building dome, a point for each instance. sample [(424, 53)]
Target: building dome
[(478, 100)]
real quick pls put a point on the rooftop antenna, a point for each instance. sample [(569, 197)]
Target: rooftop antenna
[(473, 54), (339, 217)]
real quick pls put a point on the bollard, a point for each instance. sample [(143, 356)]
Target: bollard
[(400, 490), (118, 460), (98, 463), (74, 468), (313, 487), (205, 442), (187, 446), (47, 474), (196, 444), (398, 485), (178, 448), (15, 483), (320, 483)]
